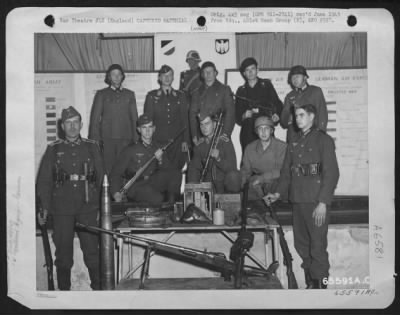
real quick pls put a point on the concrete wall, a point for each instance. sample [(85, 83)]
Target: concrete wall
[(347, 247)]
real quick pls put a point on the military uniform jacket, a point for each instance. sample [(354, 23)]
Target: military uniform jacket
[(310, 95), (313, 147), (169, 114), (218, 170), (265, 163), (131, 159), (190, 81), (67, 158), (114, 115), (263, 94), (211, 100)]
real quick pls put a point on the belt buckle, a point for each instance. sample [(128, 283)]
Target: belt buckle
[(314, 169), (74, 177)]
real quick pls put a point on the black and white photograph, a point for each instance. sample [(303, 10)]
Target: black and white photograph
[(200, 158)]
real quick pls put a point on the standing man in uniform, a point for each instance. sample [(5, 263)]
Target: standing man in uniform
[(263, 160), (257, 97), (113, 117), (302, 93), (310, 173), (211, 98), (158, 179), (222, 171), (168, 110), (68, 184), (190, 80)]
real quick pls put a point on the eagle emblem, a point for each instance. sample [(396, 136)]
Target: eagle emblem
[(222, 46)]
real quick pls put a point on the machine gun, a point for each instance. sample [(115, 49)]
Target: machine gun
[(141, 170), (214, 142), (243, 243), (252, 104), (46, 248), (212, 260), (287, 257)]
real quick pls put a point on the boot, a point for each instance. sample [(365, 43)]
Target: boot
[(309, 280), (319, 284), (94, 275), (64, 279)]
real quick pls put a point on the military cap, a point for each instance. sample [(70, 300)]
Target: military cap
[(297, 70), (263, 121), (143, 120), (165, 69), (68, 113), (194, 55), (247, 62), (208, 64)]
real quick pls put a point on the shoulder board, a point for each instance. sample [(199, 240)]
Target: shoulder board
[(56, 142), (89, 140), (225, 139), (242, 86)]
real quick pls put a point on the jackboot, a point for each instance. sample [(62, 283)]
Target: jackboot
[(94, 275), (319, 284), (309, 280), (64, 279)]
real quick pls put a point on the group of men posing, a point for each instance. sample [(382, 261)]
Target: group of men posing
[(303, 170)]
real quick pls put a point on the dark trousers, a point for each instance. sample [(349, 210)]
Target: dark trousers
[(111, 149), (311, 241), (63, 236), (230, 184), (152, 190)]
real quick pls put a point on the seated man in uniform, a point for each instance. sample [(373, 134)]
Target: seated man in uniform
[(222, 171), (263, 159), (158, 179)]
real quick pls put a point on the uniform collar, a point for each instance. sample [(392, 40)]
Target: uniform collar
[(76, 141), (146, 145), (300, 90), (116, 89), (257, 83), (307, 132), (259, 146)]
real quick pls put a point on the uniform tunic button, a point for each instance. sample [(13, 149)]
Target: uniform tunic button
[(299, 155), (73, 164), (75, 185), (302, 145)]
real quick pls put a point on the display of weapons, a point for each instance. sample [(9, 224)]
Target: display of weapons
[(141, 170), (214, 142), (214, 261), (46, 247), (243, 243), (269, 111), (287, 257)]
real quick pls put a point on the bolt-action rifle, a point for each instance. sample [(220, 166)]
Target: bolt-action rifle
[(46, 248), (141, 170)]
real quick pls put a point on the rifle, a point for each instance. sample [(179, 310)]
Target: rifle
[(287, 257), (243, 243), (269, 111), (140, 171), (214, 143), (212, 260), (46, 248)]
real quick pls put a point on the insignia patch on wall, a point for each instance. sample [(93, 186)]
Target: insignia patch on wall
[(167, 47), (222, 46)]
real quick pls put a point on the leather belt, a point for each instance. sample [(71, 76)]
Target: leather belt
[(310, 169), (76, 177)]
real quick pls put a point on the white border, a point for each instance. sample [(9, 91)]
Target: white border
[(22, 23)]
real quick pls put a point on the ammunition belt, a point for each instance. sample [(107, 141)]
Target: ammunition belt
[(310, 169)]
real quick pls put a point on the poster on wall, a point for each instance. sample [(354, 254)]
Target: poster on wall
[(56, 91), (346, 96)]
